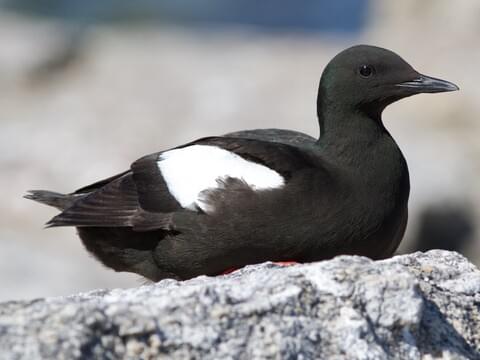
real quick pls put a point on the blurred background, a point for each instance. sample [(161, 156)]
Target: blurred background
[(87, 87)]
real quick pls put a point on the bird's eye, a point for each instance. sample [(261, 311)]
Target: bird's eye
[(366, 71)]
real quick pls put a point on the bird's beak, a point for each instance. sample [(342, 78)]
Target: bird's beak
[(427, 84)]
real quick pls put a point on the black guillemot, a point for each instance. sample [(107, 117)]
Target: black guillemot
[(247, 197)]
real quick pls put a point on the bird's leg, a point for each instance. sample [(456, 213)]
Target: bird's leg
[(229, 271), (285, 263)]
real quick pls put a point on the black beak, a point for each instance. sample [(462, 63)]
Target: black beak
[(427, 84)]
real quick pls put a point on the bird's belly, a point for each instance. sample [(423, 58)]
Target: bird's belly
[(381, 240), (386, 241), (378, 243)]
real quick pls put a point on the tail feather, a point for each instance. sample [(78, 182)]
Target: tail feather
[(50, 198)]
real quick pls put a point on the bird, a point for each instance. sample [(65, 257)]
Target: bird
[(247, 197)]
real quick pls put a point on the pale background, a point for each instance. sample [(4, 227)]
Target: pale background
[(79, 101)]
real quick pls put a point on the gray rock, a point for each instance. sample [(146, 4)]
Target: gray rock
[(423, 305)]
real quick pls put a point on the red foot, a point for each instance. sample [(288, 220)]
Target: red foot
[(285, 263), (280, 263), (228, 271)]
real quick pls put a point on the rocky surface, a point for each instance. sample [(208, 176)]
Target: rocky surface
[(424, 305)]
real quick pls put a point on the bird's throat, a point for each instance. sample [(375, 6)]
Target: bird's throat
[(351, 138)]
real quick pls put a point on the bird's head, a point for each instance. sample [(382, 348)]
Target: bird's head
[(368, 78)]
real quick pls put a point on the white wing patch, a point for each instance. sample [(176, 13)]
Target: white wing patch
[(189, 171)]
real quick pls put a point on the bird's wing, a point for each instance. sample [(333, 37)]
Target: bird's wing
[(113, 204), (289, 137), (165, 183), (281, 157), (98, 184)]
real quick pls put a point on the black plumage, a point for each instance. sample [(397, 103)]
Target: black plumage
[(345, 193)]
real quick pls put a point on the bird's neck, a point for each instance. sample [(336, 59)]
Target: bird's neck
[(350, 137), (363, 150)]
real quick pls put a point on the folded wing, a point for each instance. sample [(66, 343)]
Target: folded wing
[(162, 184)]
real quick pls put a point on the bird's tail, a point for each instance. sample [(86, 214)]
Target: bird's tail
[(50, 198)]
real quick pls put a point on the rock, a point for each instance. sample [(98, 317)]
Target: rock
[(423, 305)]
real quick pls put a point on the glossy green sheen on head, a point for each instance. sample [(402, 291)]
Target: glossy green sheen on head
[(367, 78)]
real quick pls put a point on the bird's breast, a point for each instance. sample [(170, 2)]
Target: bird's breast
[(381, 209)]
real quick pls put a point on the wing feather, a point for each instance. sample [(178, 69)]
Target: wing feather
[(140, 198), (114, 204), (280, 157)]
